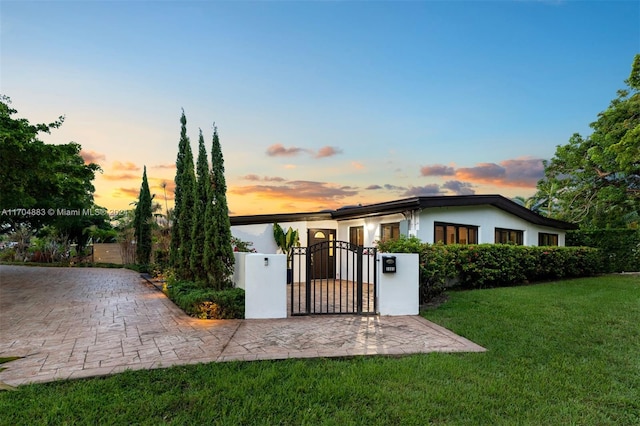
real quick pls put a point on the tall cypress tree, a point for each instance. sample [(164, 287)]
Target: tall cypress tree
[(186, 215), (218, 254), (143, 217), (202, 197), (176, 242)]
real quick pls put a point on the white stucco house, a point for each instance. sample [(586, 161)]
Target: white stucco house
[(463, 219)]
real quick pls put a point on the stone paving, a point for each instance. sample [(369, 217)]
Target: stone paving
[(70, 323)]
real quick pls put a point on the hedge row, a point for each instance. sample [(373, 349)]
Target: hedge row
[(492, 265), (206, 303), (619, 248)]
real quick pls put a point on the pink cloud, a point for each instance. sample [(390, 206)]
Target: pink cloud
[(256, 178), (278, 150), (127, 166), (459, 188), (421, 191), (437, 170), (164, 166), (92, 157), (320, 192), (483, 172), (328, 151)]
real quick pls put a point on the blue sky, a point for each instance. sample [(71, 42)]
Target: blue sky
[(319, 104)]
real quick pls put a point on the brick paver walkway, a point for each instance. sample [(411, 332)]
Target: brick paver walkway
[(82, 322)]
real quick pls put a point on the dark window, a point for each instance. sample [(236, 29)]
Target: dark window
[(509, 236), (356, 235), (452, 233), (545, 239), (389, 231)]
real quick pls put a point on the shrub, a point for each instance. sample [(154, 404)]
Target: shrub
[(7, 255), (435, 264), (492, 265), (242, 246), (619, 248), (206, 303)]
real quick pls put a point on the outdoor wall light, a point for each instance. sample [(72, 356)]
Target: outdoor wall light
[(266, 261)]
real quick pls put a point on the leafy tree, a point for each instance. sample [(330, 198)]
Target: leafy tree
[(202, 197), (595, 181), (45, 179), (218, 255), (143, 222)]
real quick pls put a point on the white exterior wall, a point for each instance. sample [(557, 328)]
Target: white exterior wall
[(487, 218), (371, 227), (239, 278), (265, 285), (398, 293), (261, 235)]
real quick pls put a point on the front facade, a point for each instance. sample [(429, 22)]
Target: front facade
[(472, 219)]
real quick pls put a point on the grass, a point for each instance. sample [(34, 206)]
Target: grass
[(558, 353)]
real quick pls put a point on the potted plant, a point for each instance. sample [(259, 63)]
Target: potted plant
[(285, 242)]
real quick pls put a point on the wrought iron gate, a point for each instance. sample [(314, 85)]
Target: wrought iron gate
[(333, 277)]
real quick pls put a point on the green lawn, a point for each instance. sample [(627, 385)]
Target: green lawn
[(558, 353)]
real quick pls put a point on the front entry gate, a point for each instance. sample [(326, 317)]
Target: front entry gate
[(333, 277)]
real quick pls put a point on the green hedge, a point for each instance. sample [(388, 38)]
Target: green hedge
[(492, 265), (206, 303), (619, 248)]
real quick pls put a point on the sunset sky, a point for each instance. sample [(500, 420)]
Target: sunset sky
[(319, 104)]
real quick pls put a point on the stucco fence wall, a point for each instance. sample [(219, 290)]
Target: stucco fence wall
[(107, 253), (264, 279)]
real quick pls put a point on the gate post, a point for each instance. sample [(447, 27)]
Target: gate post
[(359, 254), (399, 292), (265, 285), (307, 292)]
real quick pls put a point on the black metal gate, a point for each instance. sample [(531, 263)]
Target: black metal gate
[(333, 277)]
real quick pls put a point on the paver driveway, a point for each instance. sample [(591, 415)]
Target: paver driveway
[(81, 322)]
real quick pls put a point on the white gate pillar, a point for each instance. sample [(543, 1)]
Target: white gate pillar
[(264, 280), (398, 292)]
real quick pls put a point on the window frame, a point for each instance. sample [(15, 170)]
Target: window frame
[(392, 226), (472, 233), (546, 236), (507, 231), (359, 235)]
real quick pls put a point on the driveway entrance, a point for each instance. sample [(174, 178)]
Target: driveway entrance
[(80, 322)]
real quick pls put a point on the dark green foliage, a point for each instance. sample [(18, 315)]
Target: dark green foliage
[(435, 267), (595, 181), (36, 177), (218, 255), (619, 248), (242, 246), (143, 218), (286, 241), (492, 265), (176, 242), (186, 214), (203, 187), (207, 303)]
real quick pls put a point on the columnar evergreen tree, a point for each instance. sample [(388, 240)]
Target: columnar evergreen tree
[(186, 216), (201, 198), (176, 242), (143, 218), (218, 254)]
